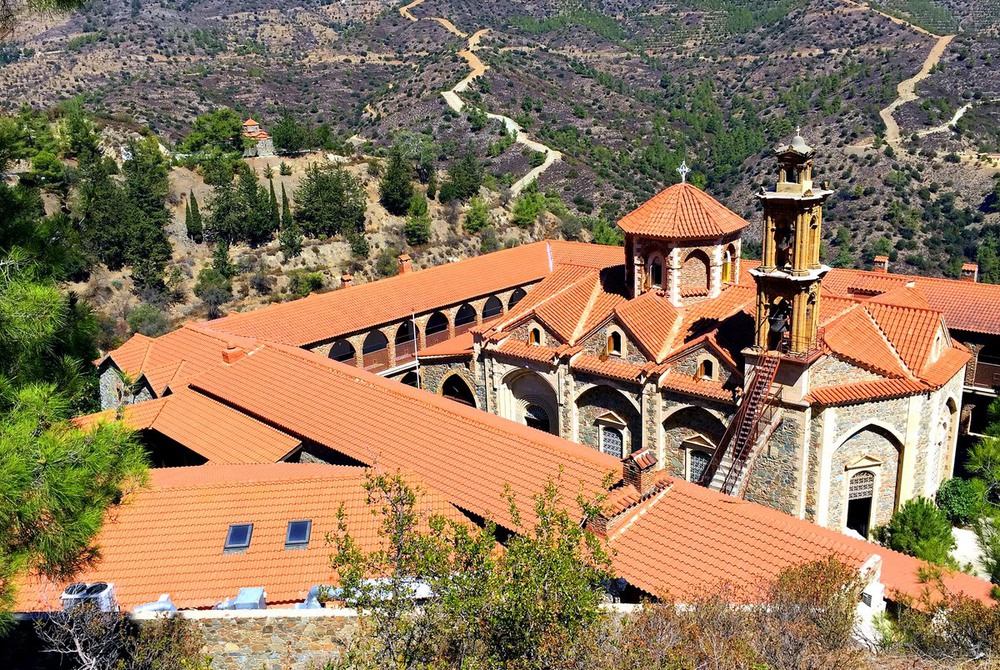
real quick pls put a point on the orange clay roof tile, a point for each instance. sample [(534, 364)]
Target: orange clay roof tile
[(691, 538), (967, 306), (911, 331), (702, 388), (652, 320), (169, 538), (858, 392), (207, 427), (610, 367), (682, 212), (325, 316), (460, 345), (449, 446), (855, 337), (530, 352), (179, 355)]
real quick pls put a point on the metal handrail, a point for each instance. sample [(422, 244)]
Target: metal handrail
[(713, 465), (767, 412)]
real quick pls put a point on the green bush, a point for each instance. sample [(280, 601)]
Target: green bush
[(962, 500), (148, 320), (302, 283), (478, 215), (920, 529)]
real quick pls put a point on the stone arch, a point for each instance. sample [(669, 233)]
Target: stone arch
[(695, 271), (602, 406), (686, 429), (492, 308), (405, 340), (729, 264), (343, 351), (455, 387), (874, 447), (375, 350), (875, 424), (655, 266), (410, 379), (465, 318), (437, 329), (949, 435), (515, 297), (523, 389)]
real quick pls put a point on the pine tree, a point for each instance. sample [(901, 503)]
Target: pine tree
[(396, 187), (220, 260), (193, 220), (286, 210), (255, 211), (290, 239), (418, 222)]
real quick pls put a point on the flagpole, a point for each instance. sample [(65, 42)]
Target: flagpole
[(416, 356)]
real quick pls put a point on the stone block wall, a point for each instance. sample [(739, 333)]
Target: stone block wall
[(875, 443), (684, 421), (775, 478), (288, 641), (599, 400), (831, 370), (433, 374)]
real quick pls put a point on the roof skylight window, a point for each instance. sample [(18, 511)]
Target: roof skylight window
[(298, 534), (238, 537)]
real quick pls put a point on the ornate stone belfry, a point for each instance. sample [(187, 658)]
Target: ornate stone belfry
[(789, 276)]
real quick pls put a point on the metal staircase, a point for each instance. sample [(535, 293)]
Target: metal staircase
[(754, 422)]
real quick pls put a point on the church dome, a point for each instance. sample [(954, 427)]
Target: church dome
[(682, 212)]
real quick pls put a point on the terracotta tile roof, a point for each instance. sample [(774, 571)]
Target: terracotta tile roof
[(325, 316), (528, 352), (858, 392), (460, 345), (911, 331), (469, 454), (855, 337), (169, 538), (175, 357), (967, 306), (702, 388), (207, 427), (689, 538), (940, 372), (250, 122), (653, 321), (682, 212), (610, 367)]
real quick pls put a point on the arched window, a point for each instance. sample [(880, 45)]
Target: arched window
[(410, 379), (860, 492), (454, 387), (699, 462), (727, 267), (375, 351), (656, 273), (405, 341), (536, 417), (437, 328), (492, 308), (612, 441), (706, 369), (342, 351), (535, 336), (465, 318), (615, 343), (516, 297)]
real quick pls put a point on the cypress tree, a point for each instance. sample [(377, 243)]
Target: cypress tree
[(272, 208), (220, 260), (286, 210), (193, 220), (290, 239)]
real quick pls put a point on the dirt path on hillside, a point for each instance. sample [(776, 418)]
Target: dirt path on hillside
[(895, 19), (907, 90), (477, 69)]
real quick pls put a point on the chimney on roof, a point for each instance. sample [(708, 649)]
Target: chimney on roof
[(970, 272), (638, 470), (881, 264), (346, 280), (405, 264), (232, 353)]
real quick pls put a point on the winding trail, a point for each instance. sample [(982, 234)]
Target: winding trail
[(907, 90), (476, 69)]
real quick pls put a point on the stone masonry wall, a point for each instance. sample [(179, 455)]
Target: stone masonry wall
[(275, 642), (868, 442), (434, 373), (831, 370), (599, 400), (775, 478)]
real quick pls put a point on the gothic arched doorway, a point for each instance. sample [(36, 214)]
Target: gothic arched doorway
[(457, 389)]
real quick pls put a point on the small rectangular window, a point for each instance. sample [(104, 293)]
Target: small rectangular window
[(298, 534), (238, 537)]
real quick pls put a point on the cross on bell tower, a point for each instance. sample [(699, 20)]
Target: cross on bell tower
[(790, 272)]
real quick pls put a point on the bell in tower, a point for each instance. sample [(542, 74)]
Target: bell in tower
[(790, 271)]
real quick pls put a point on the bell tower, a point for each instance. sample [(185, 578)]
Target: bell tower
[(790, 272)]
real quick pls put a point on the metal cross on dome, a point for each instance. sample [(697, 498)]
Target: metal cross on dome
[(683, 171)]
